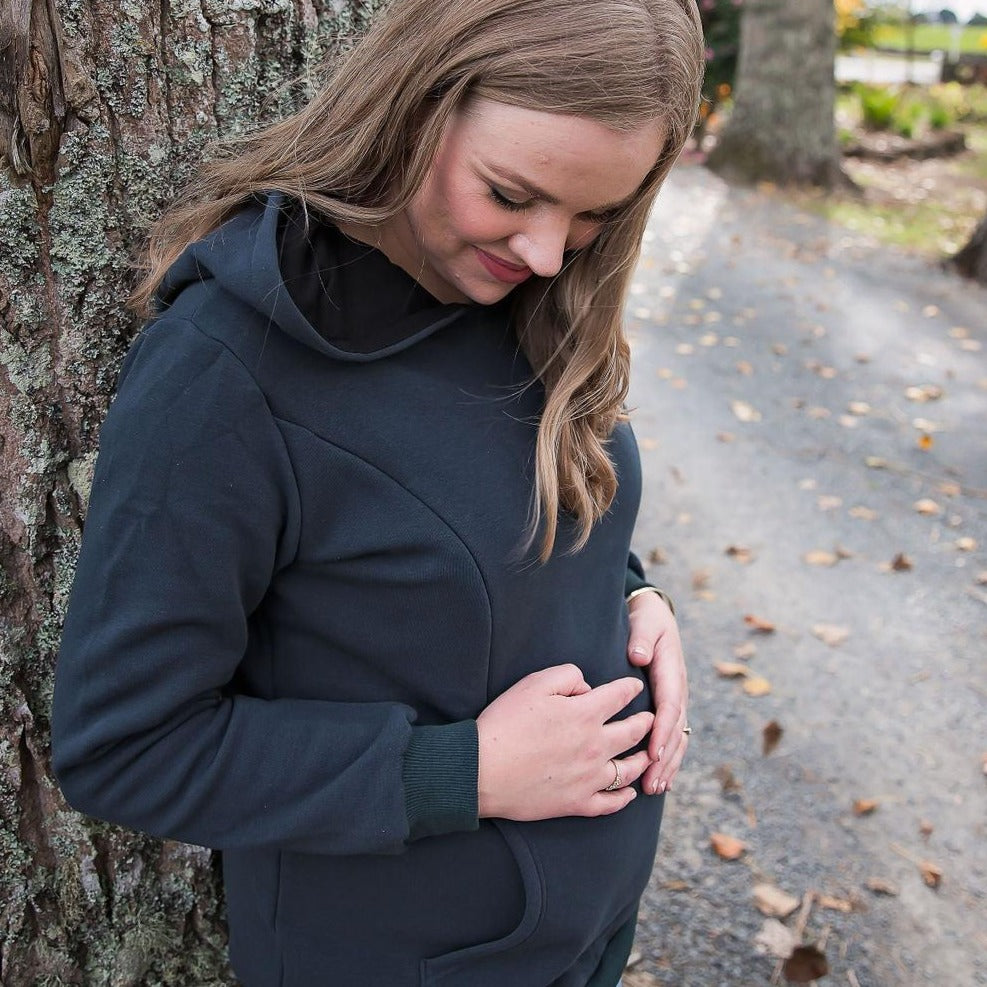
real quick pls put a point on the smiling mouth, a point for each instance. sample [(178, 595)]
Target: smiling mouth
[(502, 269)]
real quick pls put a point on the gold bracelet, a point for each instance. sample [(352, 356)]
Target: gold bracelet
[(653, 589)]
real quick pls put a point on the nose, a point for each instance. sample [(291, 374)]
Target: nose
[(541, 246)]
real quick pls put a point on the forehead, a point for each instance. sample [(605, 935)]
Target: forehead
[(573, 159)]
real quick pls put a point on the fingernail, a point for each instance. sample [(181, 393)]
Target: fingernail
[(633, 795), (654, 788), (661, 750), (662, 786), (639, 652)]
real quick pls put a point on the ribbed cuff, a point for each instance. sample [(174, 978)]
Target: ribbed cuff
[(440, 779)]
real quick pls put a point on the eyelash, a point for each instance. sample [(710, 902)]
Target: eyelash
[(513, 206)]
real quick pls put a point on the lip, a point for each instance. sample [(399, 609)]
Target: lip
[(501, 270)]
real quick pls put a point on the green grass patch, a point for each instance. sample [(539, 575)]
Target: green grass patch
[(931, 37)]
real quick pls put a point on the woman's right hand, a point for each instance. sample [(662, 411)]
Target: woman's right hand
[(545, 747)]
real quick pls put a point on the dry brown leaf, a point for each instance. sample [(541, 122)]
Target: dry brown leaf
[(926, 828), (725, 776), (923, 393), (740, 553), (727, 847), (864, 807), (949, 489), (684, 349), (834, 904), (807, 963), (831, 634), (971, 345), (876, 463), (829, 502), (700, 579), (931, 311), (770, 736), (966, 544), (730, 669), (848, 421), (931, 873), (879, 886), (819, 556), (676, 886), (925, 442), (927, 506), (756, 686), (745, 368), (759, 624), (779, 349), (745, 651), (771, 900), (900, 563), (863, 513), (859, 408), (657, 557), (745, 412), (725, 437)]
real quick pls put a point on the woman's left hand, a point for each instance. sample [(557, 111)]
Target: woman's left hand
[(654, 642)]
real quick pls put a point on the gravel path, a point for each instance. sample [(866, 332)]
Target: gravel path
[(773, 360)]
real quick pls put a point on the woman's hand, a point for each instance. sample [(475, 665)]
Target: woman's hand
[(546, 747), (654, 642)]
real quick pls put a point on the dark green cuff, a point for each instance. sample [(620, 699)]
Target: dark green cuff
[(440, 779), (635, 576)]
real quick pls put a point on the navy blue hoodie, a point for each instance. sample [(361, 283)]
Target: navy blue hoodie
[(299, 585)]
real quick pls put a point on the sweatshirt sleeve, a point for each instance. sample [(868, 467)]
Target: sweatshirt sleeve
[(193, 510), (634, 579)]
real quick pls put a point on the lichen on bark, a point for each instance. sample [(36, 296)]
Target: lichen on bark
[(105, 106)]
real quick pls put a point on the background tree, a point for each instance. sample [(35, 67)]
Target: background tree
[(781, 127), (104, 107), (971, 261)]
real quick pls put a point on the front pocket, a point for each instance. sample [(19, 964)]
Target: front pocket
[(458, 966)]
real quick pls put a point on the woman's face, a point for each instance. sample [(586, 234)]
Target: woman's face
[(509, 191)]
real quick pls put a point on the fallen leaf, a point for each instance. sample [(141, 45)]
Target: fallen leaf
[(930, 311), (756, 686), (926, 828), (966, 544), (828, 502), (779, 349), (925, 442), (807, 963), (759, 624), (864, 807), (859, 408), (648, 444), (740, 553), (657, 557), (684, 349), (727, 847), (879, 886), (730, 669), (807, 484), (901, 563), (863, 513), (819, 556), (748, 649), (971, 345), (925, 425), (983, 762), (725, 776), (770, 736), (927, 506), (834, 904), (775, 939), (726, 437), (745, 412), (876, 463), (923, 393), (709, 339), (818, 412), (981, 578), (950, 489), (931, 873), (745, 368), (700, 579), (674, 886), (848, 421), (771, 900), (831, 634)]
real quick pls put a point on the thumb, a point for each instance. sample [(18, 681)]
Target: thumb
[(562, 680), (640, 649)]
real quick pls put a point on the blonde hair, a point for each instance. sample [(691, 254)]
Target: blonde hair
[(361, 149)]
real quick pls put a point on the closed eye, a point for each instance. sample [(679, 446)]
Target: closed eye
[(506, 203)]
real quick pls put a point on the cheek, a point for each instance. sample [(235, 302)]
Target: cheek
[(582, 235)]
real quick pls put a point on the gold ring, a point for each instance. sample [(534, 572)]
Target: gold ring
[(617, 780)]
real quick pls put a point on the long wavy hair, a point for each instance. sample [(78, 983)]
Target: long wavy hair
[(362, 147)]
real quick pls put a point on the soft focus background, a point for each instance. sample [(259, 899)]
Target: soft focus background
[(810, 389)]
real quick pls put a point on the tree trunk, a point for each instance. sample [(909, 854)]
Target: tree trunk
[(971, 261), (105, 105), (781, 128)]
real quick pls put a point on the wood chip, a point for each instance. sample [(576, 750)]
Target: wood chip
[(727, 847), (772, 901), (864, 807)]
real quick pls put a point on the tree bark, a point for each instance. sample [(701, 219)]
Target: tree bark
[(105, 106), (971, 260), (781, 128)]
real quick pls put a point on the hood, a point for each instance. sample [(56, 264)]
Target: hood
[(241, 256)]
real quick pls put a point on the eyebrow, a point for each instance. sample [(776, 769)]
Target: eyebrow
[(521, 182)]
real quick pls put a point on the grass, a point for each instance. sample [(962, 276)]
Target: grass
[(931, 37)]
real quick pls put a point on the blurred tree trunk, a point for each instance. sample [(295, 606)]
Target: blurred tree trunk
[(971, 261), (104, 107), (781, 128)]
